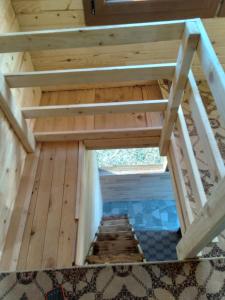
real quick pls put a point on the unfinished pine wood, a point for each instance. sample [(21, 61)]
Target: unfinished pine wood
[(97, 134), (10, 253), (206, 226), (93, 109), (37, 235), (49, 237), (205, 131), (15, 117), (122, 143), (212, 69), (184, 208), (127, 120), (50, 251), (12, 152), (186, 52), (152, 92), (91, 75), (66, 123), (91, 36), (68, 227), (193, 171), (136, 187)]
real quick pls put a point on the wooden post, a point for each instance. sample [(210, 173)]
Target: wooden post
[(205, 132), (209, 223), (212, 70), (15, 117), (185, 56)]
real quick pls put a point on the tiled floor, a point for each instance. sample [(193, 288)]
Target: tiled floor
[(146, 214)]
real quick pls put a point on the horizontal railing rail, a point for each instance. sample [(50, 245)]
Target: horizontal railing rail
[(92, 36)]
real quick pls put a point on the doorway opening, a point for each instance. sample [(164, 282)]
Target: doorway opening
[(136, 183)]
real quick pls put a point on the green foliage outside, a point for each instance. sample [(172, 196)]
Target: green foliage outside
[(128, 157)]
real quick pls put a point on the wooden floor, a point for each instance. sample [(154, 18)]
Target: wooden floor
[(49, 238)]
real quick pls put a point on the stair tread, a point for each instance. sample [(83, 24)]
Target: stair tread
[(114, 228), (119, 217), (121, 258), (120, 235)]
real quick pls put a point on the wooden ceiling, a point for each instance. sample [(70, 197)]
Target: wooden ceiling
[(47, 14)]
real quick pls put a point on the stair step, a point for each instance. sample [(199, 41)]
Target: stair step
[(109, 245), (123, 235), (119, 217), (115, 222), (121, 258), (114, 228)]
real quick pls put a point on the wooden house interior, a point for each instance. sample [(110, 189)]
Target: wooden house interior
[(71, 84)]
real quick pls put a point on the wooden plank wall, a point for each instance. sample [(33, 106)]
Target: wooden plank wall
[(42, 14), (90, 205), (12, 155), (44, 234), (136, 187), (132, 120)]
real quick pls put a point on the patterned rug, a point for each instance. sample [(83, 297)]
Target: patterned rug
[(179, 281)]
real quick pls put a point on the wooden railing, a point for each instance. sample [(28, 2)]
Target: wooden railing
[(199, 231)]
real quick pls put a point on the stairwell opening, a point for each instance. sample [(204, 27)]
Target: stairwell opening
[(137, 194)]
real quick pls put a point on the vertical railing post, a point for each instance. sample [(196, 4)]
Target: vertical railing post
[(187, 49)]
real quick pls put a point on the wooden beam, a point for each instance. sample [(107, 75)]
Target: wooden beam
[(209, 224), (190, 160), (91, 75), (94, 108), (212, 70), (15, 117), (91, 36), (133, 142), (205, 132), (185, 56), (183, 199), (97, 134)]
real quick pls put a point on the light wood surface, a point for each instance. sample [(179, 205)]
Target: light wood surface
[(104, 121), (91, 76), (91, 36), (205, 131), (207, 226), (135, 187), (94, 109), (97, 134), (15, 118), (185, 56), (190, 160), (13, 242), (212, 69), (42, 233), (12, 153), (184, 208)]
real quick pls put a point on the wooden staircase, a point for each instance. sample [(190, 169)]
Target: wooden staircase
[(115, 242)]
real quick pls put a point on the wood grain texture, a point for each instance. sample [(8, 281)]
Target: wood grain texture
[(48, 236), (105, 121), (12, 155), (90, 76)]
